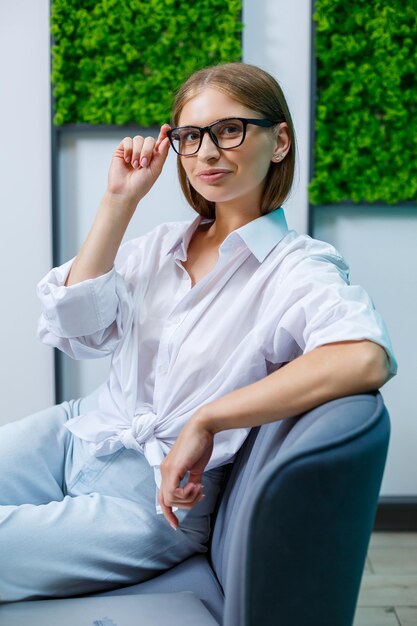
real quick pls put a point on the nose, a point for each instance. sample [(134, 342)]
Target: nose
[(208, 149)]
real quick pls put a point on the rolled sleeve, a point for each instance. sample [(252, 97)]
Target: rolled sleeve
[(81, 309), (322, 308), (348, 315), (87, 320)]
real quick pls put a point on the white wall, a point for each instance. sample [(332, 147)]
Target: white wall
[(380, 245), (26, 367)]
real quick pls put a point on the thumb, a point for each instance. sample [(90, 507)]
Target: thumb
[(162, 134)]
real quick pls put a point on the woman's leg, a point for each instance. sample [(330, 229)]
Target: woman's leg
[(99, 530), (33, 452), (81, 545)]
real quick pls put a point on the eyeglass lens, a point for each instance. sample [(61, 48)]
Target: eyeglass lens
[(228, 134)]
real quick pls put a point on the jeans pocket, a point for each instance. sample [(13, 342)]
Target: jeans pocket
[(91, 471)]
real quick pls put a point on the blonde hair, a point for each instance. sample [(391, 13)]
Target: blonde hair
[(256, 89)]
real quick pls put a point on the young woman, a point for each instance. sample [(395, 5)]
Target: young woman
[(214, 326)]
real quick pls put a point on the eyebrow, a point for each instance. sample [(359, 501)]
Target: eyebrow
[(221, 119)]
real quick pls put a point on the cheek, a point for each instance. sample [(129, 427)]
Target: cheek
[(256, 158), (256, 166), (187, 166)]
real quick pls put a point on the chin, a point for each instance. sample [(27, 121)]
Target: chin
[(213, 194)]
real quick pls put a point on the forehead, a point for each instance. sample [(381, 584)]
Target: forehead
[(209, 105)]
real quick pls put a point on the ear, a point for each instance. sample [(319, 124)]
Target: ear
[(282, 143)]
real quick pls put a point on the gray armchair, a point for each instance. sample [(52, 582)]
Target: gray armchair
[(290, 535), (293, 525)]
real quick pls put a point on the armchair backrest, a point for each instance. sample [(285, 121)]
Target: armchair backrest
[(293, 526)]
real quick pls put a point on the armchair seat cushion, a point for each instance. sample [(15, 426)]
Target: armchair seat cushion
[(148, 609), (194, 574)]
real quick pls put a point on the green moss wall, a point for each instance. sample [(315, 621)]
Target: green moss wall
[(120, 62), (366, 109)]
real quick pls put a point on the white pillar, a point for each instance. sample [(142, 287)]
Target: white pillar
[(26, 367), (277, 38)]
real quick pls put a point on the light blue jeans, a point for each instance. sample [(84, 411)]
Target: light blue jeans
[(71, 523)]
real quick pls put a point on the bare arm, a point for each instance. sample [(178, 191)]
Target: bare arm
[(135, 166), (329, 372)]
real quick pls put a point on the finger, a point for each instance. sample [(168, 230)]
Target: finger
[(147, 151), (189, 504), (181, 495), (138, 141), (184, 492), (164, 148), (187, 489), (193, 489), (168, 514), (185, 498), (184, 504), (160, 155), (127, 146)]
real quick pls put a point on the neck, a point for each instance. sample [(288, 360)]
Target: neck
[(230, 217)]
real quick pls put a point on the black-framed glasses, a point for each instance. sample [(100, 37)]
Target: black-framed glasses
[(227, 133)]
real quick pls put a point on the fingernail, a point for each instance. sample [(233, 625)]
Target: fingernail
[(136, 164), (144, 162), (127, 159), (174, 527)]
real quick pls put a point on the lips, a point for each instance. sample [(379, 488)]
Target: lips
[(213, 175)]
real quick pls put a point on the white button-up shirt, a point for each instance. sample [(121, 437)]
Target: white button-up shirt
[(272, 296)]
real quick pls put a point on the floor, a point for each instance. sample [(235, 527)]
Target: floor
[(388, 594)]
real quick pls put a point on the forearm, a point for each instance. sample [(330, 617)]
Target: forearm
[(329, 372), (97, 254), (128, 183)]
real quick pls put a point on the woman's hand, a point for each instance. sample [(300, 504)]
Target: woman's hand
[(136, 164), (190, 453), (128, 183)]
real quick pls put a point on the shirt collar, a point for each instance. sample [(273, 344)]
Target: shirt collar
[(260, 235), (263, 234), (183, 237)]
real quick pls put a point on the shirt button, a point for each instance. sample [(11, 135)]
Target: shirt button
[(161, 369)]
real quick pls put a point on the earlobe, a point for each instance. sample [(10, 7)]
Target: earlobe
[(283, 143)]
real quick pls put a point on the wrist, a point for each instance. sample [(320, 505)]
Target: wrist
[(119, 202), (205, 418)]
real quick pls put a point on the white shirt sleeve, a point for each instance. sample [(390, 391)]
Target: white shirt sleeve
[(321, 307), (86, 320), (89, 319)]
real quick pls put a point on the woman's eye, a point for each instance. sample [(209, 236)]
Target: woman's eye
[(230, 129), (191, 136)]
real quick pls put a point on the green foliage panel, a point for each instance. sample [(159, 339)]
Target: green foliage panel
[(120, 61), (366, 110)]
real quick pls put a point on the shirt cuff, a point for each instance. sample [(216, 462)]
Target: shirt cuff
[(81, 309)]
